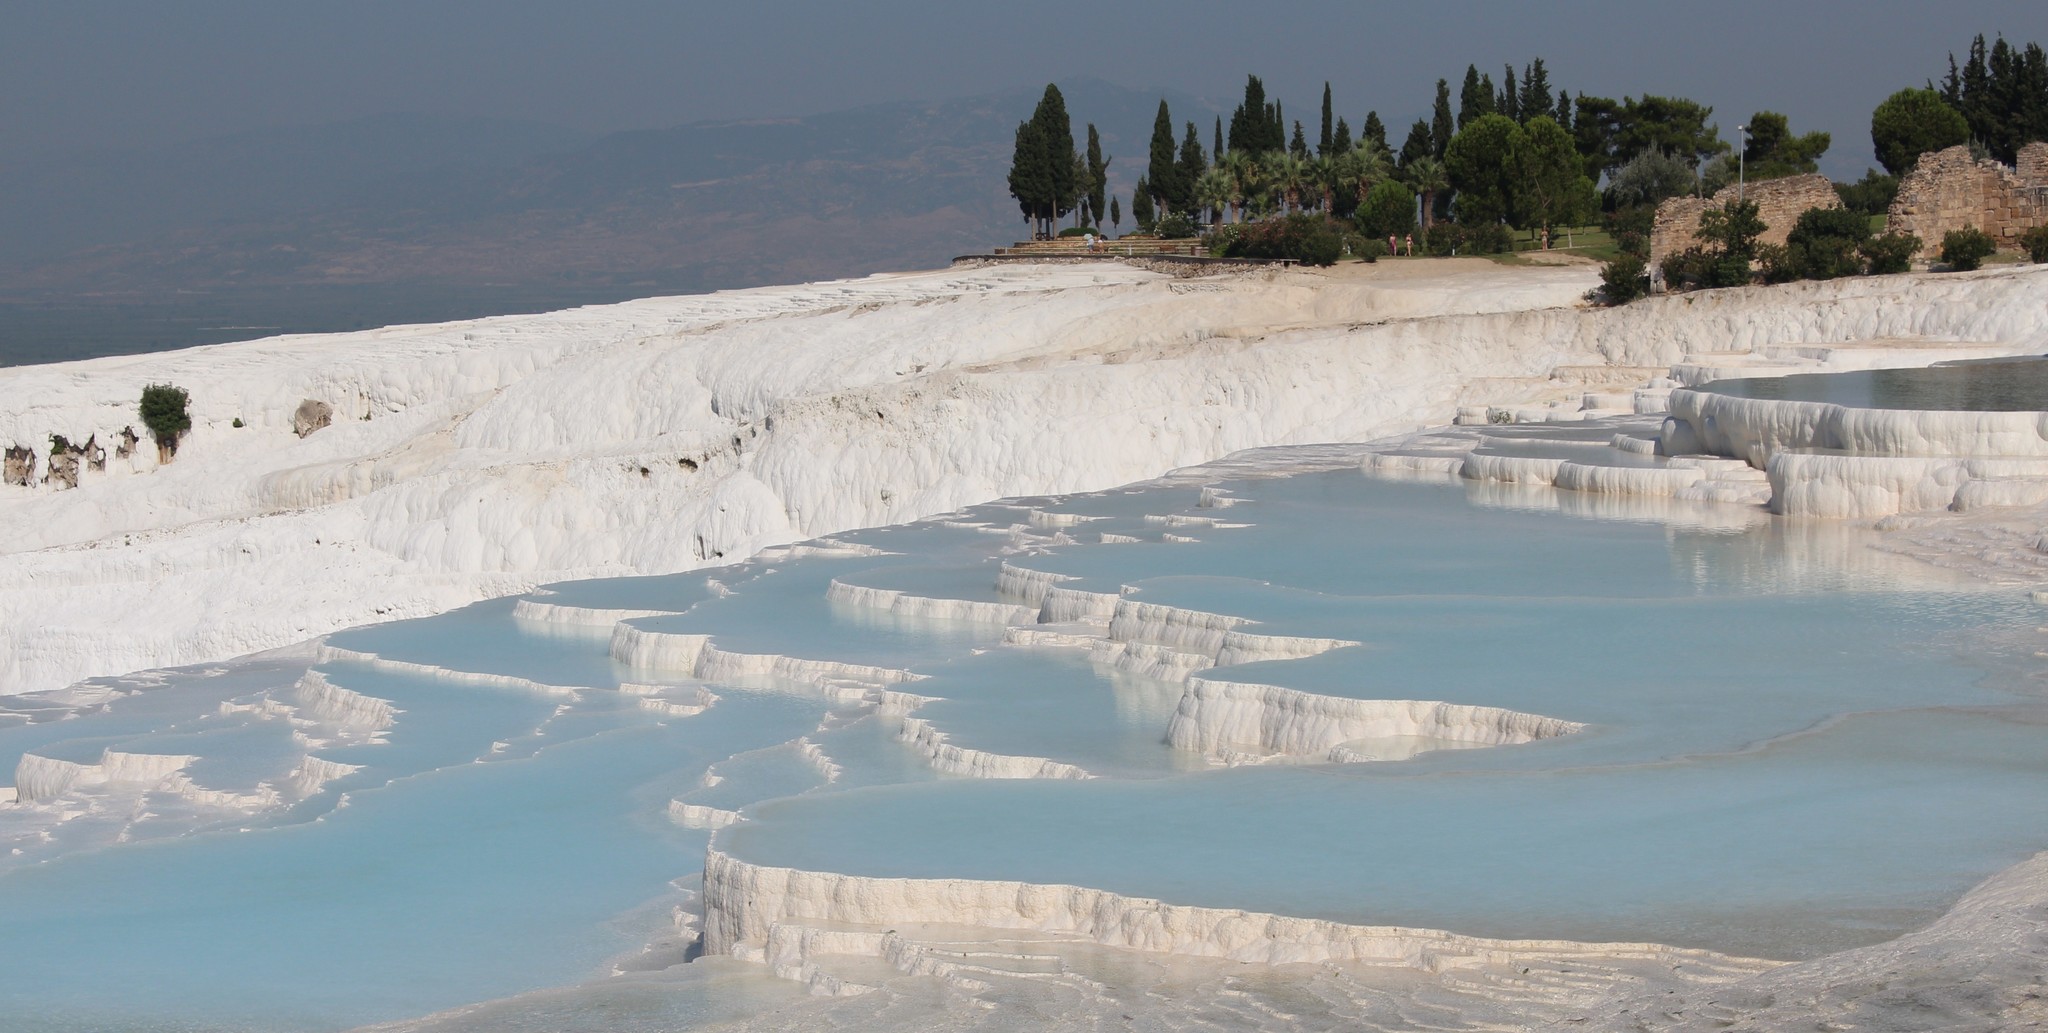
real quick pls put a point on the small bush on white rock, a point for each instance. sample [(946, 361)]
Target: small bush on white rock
[(163, 412)]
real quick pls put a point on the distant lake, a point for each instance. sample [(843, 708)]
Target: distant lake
[(58, 328)]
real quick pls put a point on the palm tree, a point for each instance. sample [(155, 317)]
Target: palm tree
[(1214, 191), (1374, 163), (1428, 177), (1288, 175), (1326, 171), (1252, 181)]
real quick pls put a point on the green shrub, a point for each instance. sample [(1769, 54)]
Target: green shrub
[(1176, 227), (1079, 231), (1891, 253), (1488, 238), (1699, 267), (1967, 248), (1735, 226), (1444, 238), (1370, 249), (2035, 242), (163, 412), (1871, 195), (1774, 264), (1823, 245), (1636, 220), (1220, 240), (1305, 238), (1389, 210), (1624, 279)]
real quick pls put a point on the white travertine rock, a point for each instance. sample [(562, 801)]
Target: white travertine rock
[(959, 760), (1755, 429), (1865, 486), (500, 453), (744, 904), (903, 604), (1218, 716), (542, 611), (698, 816), (39, 779)]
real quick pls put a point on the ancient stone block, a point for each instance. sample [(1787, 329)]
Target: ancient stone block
[(1948, 190), (1779, 203)]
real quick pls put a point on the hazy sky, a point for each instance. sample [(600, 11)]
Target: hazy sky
[(84, 73)]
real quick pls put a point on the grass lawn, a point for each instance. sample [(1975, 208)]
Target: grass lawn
[(1593, 242)]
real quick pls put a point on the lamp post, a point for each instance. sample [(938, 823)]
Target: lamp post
[(1741, 160)]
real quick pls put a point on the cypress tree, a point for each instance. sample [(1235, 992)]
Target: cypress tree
[(1216, 148), (1078, 204), (1564, 109), (1976, 92), (1116, 213), (1420, 143), (1276, 129), (1505, 102), (1472, 100), (1141, 206), (1340, 141), (1535, 102), (1328, 140), (1160, 171), (1440, 121), (1029, 182), (1057, 134), (1098, 176), (1248, 122), (1187, 170), (1374, 130)]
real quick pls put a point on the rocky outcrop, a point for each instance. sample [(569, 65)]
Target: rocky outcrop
[(311, 415), (20, 466)]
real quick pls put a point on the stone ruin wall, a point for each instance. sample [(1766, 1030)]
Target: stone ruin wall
[(1779, 203), (1948, 190)]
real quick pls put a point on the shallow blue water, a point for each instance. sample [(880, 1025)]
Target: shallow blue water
[(1783, 756)]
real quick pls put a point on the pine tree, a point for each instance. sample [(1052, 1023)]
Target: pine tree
[(1299, 145), (1098, 176), (1187, 170), (1160, 170), (1535, 100), (1563, 116), (1141, 206), (1505, 102), (1440, 120), (1375, 130), (1473, 99), (1340, 141), (1327, 142)]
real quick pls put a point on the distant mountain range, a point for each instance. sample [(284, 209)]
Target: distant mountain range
[(422, 200)]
